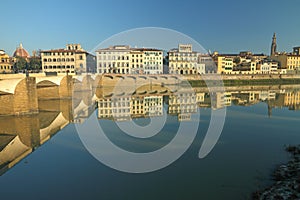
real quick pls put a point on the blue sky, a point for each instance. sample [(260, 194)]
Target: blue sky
[(225, 26)]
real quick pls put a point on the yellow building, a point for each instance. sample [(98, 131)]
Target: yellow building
[(225, 65), (136, 58), (6, 64), (289, 61), (184, 60), (73, 59)]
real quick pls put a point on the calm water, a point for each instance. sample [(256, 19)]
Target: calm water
[(42, 156)]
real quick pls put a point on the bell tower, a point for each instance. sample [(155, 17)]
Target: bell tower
[(274, 45)]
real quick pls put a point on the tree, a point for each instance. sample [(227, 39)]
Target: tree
[(237, 60), (35, 63), (21, 64)]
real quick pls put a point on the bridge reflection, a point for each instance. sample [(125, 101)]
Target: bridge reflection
[(34, 109)]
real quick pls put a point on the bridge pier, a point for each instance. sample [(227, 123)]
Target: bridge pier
[(23, 101)]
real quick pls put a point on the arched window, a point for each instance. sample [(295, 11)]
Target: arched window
[(67, 59), (49, 60), (45, 60), (63, 60), (58, 59), (72, 59)]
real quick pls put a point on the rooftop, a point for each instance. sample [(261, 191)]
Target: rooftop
[(126, 48)]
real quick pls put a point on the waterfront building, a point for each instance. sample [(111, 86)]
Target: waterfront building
[(184, 60), (247, 66), (115, 59), (6, 63), (208, 64), (136, 58), (288, 61), (224, 65), (268, 66), (122, 59), (264, 68), (153, 61), (73, 59), (243, 63)]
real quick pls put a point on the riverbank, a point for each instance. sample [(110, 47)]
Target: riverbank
[(287, 179), (243, 81)]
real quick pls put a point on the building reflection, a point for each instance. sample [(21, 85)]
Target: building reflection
[(26, 125)]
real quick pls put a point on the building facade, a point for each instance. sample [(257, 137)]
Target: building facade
[(6, 63), (122, 59), (224, 65), (289, 61), (184, 60), (73, 59)]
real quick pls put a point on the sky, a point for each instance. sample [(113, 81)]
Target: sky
[(218, 25)]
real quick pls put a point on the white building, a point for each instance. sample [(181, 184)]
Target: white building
[(123, 59), (269, 67), (184, 60)]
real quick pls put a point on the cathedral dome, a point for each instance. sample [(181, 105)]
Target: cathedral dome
[(21, 52)]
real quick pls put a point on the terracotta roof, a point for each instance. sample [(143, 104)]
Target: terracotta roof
[(62, 50), (21, 52), (126, 48)]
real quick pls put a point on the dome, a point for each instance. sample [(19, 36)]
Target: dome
[(21, 52)]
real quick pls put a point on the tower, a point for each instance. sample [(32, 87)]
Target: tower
[(274, 45)]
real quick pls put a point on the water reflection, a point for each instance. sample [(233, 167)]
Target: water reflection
[(27, 123), (22, 134)]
